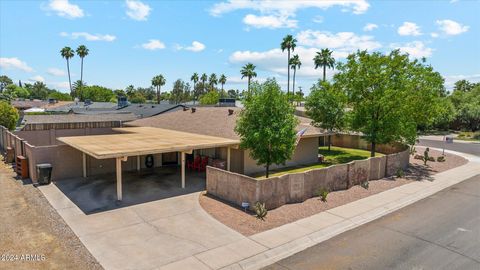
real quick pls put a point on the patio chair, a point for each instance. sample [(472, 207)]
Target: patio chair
[(195, 163), (203, 164)]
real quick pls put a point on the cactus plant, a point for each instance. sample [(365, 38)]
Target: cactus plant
[(260, 210), (426, 157), (365, 184)]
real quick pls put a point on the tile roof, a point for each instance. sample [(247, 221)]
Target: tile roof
[(77, 118), (213, 121)]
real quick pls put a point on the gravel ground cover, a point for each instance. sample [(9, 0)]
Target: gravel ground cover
[(247, 224), (32, 234)]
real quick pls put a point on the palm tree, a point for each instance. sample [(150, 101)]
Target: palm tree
[(248, 71), (294, 64), (158, 81), (82, 51), (204, 79), (324, 59), (222, 80), (212, 81), (288, 43), (68, 53), (194, 79)]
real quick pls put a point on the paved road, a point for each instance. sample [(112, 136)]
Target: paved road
[(439, 232), (469, 148)]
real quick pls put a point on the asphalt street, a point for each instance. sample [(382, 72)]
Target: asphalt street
[(469, 148), (439, 232)]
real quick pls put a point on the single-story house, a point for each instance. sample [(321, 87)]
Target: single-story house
[(221, 122)]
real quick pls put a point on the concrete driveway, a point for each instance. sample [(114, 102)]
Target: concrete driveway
[(144, 232)]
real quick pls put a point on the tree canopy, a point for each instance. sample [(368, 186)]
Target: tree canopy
[(267, 125), (389, 95), (8, 115)]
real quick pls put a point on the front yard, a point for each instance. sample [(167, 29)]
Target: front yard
[(336, 155)]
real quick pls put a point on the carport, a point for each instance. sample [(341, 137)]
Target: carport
[(138, 141)]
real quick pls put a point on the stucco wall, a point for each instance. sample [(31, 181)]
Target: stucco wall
[(305, 153), (49, 137), (297, 187)]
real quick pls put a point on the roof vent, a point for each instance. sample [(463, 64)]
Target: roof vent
[(185, 109), (193, 110), (230, 111)]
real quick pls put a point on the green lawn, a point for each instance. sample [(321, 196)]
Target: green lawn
[(337, 155)]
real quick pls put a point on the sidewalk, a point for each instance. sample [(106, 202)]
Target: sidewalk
[(268, 247)]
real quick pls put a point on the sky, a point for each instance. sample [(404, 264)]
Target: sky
[(131, 41)]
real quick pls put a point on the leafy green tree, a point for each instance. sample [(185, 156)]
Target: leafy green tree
[(288, 43), (77, 88), (179, 92), (8, 115), (82, 52), (324, 59), (147, 92), (466, 101), (266, 125), (60, 96), (248, 71), (212, 81), (194, 79), (295, 64), (38, 90), (137, 98), (210, 98), (15, 91), (119, 93), (68, 53), (222, 80), (158, 81), (389, 95), (4, 81), (232, 93), (204, 79), (96, 93), (326, 107)]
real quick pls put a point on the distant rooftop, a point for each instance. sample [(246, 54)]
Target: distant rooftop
[(77, 118)]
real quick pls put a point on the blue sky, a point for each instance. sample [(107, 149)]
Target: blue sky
[(131, 41)]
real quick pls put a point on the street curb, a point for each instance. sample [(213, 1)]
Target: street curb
[(290, 248)]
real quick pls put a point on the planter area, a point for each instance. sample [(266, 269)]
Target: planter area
[(246, 223)]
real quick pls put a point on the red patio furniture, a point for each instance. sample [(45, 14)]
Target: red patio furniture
[(203, 164), (195, 163)]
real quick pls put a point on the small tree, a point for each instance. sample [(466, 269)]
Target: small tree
[(267, 125), (326, 107), (210, 98), (8, 115)]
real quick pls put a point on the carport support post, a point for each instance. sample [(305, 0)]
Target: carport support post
[(228, 158), (119, 178), (183, 169), (138, 163), (84, 164)]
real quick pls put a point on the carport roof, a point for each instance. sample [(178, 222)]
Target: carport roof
[(143, 141)]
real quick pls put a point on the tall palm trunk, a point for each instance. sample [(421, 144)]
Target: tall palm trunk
[(248, 85), (194, 92), (324, 72), (293, 88), (288, 72), (69, 79), (158, 94), (81, 72)]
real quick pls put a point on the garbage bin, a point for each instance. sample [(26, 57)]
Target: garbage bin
[(44, 173)]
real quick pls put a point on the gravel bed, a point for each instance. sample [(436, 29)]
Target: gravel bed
[(30, 225), (246, 223)]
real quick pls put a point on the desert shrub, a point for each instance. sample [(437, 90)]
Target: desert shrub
[(260, 210), (441, 159), (322, 193), (365, 184), (412, 150), (399, 173), (426, 156)]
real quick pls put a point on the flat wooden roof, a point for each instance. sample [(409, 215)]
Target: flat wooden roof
[(143, 141)]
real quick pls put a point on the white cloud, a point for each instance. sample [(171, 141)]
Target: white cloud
[(196, 47), (65, 9), (434, 35), (415, 49), (370, 27), (56, 72), (153, 44), (137, 10), (89, 37), (37, 78), (341, 42), (286, 7), (14, 63), (278, 14), (451, 79), (269, 21), (409, 29), (451, 28)]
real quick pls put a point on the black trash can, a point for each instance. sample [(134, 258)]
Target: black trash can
[(44, 173)]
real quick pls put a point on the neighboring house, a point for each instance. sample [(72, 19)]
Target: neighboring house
[(77, 106), (148, 110), (220, 122)]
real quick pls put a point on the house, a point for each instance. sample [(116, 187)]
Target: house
[(220, 122)]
